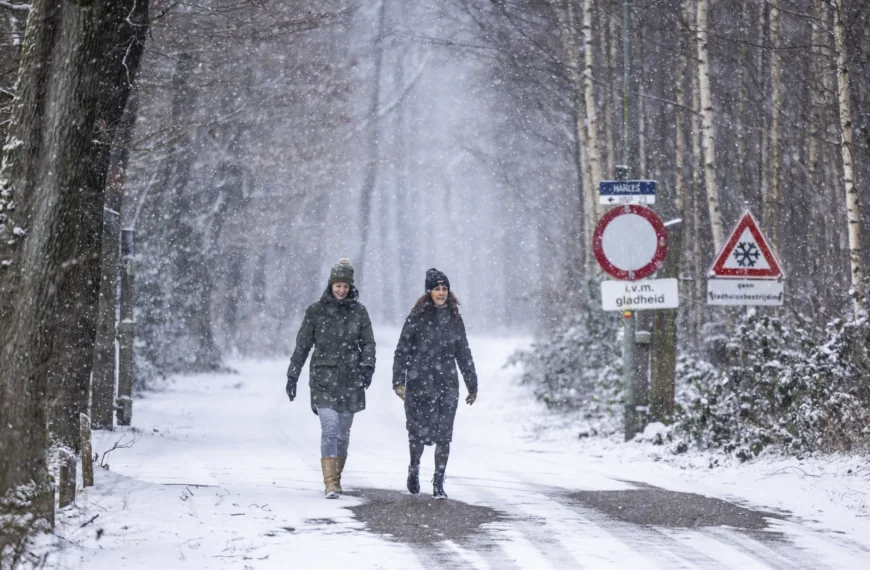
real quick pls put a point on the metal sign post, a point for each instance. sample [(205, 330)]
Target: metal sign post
[(630, 243)]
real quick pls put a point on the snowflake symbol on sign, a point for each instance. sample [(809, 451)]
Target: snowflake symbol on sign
[(746, 254)]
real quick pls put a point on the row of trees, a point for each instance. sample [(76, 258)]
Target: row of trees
[(732, 102), (76, 70), (339, 131)]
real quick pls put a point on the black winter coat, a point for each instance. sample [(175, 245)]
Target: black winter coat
[(432, 343), (341, 334)]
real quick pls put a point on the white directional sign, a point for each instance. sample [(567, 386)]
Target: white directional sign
[(744, 292), (637, 295), (615, 192)]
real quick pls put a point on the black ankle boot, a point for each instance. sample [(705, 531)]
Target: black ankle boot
[(438, 486), (414, 479)]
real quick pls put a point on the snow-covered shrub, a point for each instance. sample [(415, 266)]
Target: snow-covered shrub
[(782, 386), (579, 367)]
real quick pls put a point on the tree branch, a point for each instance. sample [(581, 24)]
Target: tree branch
[(15, 7)]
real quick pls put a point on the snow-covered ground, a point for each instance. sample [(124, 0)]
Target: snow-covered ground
[(224, 472)]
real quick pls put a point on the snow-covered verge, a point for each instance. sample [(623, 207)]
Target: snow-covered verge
[(776, 387), (224, 473), (829, 488)]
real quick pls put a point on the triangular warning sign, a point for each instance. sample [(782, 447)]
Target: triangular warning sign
[(747, 254)]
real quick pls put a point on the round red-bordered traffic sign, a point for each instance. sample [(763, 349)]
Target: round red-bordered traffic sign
[(630, 242)]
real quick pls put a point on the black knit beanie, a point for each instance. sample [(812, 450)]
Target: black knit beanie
[(434, 278), (342, 272)]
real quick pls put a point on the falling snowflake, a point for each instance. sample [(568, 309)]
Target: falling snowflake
[(746, 254)]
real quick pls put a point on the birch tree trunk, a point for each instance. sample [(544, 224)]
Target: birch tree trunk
[(680, 136), (641, 108), (821, 264), (565, 16), (608, 27), (697, 181), (708, 127), (853, 218), (374, 145), (593, 152), (742, 94), (763, 132), (773, 197)]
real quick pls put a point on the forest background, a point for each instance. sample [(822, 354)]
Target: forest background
[(250, 144)]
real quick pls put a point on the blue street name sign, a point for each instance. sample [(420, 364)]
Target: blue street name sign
[(612, 192)]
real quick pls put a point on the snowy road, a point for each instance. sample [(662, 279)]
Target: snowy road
[(225, 473)]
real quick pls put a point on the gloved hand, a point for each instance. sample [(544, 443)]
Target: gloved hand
[(471, 398), (291, 387), (365, 376), (400, 392)]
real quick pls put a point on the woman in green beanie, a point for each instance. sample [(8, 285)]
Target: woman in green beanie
[(339, 329)]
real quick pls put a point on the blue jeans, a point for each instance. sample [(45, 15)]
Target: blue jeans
[(334, 432)]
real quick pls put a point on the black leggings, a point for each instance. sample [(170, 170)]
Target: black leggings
[(442, 454)]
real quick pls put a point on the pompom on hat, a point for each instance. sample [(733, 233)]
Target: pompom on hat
[(341, 272), (434, 278)]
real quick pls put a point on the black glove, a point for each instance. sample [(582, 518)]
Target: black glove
[(291, 387), (365, 376)]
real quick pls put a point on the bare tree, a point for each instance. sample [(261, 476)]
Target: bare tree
[(708, 128), (76, 68), (853, 216), (773, 198)]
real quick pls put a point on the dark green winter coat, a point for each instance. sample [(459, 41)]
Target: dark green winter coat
[(341, 334), (432, 344)]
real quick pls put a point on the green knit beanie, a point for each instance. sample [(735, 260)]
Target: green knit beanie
[(342, 272)]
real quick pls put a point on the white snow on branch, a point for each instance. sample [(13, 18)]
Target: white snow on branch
[(386, 109), (16, 7), (13, 144)]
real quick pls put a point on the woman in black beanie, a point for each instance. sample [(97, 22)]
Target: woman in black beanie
[(432, 343)]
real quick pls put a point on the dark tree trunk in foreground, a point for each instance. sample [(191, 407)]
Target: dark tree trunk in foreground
[(77, 66)]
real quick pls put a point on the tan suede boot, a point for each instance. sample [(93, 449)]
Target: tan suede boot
[(329, 465), (340, 461)]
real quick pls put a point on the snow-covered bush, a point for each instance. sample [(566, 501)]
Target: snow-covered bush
[(579, 367), (782, 386)]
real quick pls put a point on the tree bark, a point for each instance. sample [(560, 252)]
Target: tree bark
[(708, 127), (565, 16), (853, 216), (608, 31), (742, 95), (374, 155), (74, 79), (697, 178), (641, 109), (593, 152), (773, 197)]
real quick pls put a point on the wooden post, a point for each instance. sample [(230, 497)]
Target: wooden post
[(125, 331), (664, 341), (87, 451), (642, 339), (67, 480), (103, 376)]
